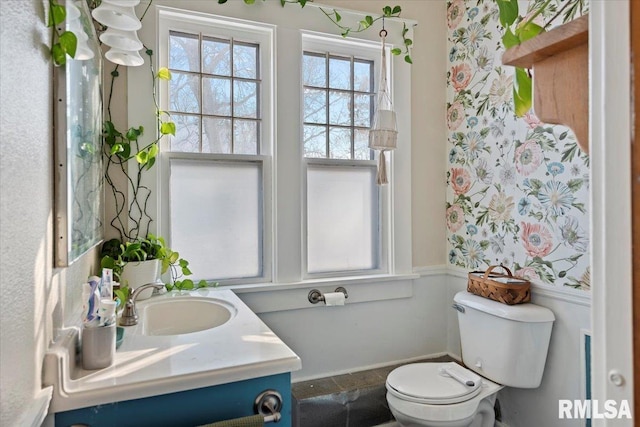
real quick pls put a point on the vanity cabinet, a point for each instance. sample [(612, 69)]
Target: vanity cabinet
[(185, 409)]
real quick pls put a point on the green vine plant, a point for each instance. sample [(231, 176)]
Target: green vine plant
[(63, 43), (520, 29), (364, 24)]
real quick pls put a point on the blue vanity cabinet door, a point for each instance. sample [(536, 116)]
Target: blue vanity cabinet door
[(186, 408)]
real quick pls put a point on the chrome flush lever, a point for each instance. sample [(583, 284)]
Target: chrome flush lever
[(458, 307)]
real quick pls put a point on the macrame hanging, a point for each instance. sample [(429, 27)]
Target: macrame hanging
[(383, 135)]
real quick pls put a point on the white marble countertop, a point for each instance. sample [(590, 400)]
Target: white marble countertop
[(242, 348)]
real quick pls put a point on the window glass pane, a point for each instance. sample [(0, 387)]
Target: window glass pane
[(184, 93), (216, 93), (187, 137), (216, 137), (339, 73), (342, 219), (314, 70), (361, 149), (245, 137), (339, 108), (339, 143), (362, 71), (245, 61), (184, 52), (245, 99), (216, 56), (315, 106), (216, 217), (315, 141), (362, 110)]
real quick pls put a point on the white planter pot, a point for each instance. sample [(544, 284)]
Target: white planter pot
[(136, 274)]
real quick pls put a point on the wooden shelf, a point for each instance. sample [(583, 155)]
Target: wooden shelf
[(560, 62)]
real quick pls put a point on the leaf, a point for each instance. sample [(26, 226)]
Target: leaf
[(186, 271), (407, 59), (509, 39), (187, 284), (153, 151), (202, 284), (528, 31), (302, 2), (69, 43), (386, 11), (508, 11), (522, 91), (164, 73), (396, 9), (168, 128), (396, 51), (116, 148), (249, 1), (408, 42), (369, 20), (132, 134), (222, 1), (57, 14), (58, 54), (142, 157), (575, 184), (563, 135)]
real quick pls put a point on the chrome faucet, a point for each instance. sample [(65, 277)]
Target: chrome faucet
[(130, 314)]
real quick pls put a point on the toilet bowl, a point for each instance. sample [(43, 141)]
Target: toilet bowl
[(422, 394), (501, 345)]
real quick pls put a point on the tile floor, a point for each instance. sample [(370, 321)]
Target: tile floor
[(356, 399)]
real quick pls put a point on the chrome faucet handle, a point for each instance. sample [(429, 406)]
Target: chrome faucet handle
[(129, 313)]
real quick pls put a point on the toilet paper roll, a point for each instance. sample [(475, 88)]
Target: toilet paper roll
[(334, 298)]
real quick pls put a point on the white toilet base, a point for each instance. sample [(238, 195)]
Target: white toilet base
[(475, 412)]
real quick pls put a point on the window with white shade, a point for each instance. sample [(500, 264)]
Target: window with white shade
[(217, 165), (343, 203)]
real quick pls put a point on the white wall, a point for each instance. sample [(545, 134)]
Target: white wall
[(335, 340), (563, 375), (34, 296)]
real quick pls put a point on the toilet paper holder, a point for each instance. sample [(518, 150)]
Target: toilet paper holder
[(315, 296)]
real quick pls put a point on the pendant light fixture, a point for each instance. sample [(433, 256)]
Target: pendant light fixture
[(119, 16), (383, 135)]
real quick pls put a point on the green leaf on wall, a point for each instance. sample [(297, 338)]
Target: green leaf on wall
[(57, 14), (522, 92), (164, 73), (69, 42), (508, 11), (168, 128)]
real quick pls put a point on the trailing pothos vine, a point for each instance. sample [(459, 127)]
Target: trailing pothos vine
[(364, 24)]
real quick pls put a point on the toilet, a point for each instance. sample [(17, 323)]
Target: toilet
[(502, 345)]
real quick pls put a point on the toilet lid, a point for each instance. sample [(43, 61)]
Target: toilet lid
[(434, 383)]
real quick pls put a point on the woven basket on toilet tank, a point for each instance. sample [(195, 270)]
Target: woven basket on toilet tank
[(504, 288)]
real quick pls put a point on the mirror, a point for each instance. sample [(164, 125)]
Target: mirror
[(78, 146)]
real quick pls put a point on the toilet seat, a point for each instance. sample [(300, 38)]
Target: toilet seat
[(428, 383)]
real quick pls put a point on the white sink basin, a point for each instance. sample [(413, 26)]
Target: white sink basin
[(184, 315)]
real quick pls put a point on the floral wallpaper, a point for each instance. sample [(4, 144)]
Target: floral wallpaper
[(517, 188)]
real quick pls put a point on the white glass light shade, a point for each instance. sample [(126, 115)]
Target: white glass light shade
[(83, 51), (72, 12), (118, 17), (129, 58), (129, 3), (125, 40)]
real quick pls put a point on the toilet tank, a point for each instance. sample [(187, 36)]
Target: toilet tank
[(504, 343)]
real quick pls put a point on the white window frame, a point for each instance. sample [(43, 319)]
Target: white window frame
[(189, 22), (284, 169), (360, 49)]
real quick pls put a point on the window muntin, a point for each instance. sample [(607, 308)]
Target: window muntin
[(214, 94), (338, 93)]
